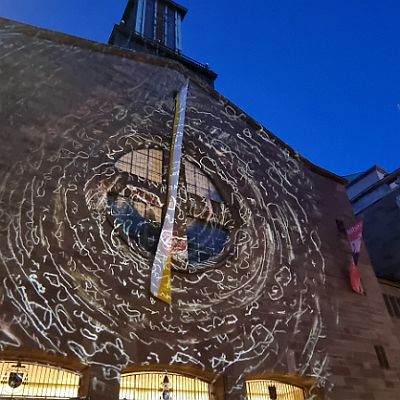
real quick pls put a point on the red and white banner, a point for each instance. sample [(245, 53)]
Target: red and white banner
[(354, 234)]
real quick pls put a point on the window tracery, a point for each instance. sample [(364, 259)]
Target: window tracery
[(139, 215)]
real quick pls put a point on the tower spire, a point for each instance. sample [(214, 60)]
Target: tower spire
[(154, 26)]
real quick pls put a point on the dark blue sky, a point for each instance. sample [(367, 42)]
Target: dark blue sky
[(322, 75)]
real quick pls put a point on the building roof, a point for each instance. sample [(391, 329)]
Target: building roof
[(354, 178), (388, 178), (66, 39)]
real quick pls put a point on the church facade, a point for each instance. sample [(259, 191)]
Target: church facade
[(261, 305)]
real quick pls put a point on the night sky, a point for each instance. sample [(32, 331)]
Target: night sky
[(324, 76)]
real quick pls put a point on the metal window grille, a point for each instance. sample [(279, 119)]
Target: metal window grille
[(381, 355), (388, 305), (146, 163), (29, 380), (199, 184), (392, 304), (260, 390), (148, 386), (395, 306), (398, 301), (148, 211)]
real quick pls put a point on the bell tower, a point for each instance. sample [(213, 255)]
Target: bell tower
[(154, 26)]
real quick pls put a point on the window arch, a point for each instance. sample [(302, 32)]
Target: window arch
[(137, 207), (150, 385), (266, 389), (36, 381)]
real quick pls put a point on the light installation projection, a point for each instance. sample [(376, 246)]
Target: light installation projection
[(80, 225), (35, 381)]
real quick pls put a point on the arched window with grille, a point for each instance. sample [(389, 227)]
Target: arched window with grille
[(160, 385), (266, 389), (36, 381)]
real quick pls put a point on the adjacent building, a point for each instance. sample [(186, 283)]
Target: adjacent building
[(375, 197), (261, 305)]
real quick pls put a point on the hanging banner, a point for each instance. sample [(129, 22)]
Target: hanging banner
[(354, 234), (355, 279), (160, 286)]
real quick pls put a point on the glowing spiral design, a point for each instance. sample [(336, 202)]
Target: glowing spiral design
[(76, 287)]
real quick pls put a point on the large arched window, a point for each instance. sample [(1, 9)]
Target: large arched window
[(34, 381), (265, 389), (166, 386), (137, 207)]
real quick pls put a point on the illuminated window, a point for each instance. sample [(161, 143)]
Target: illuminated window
[(263, 389), (28, 380), (149, 385), (146, 163), (199, 184)]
